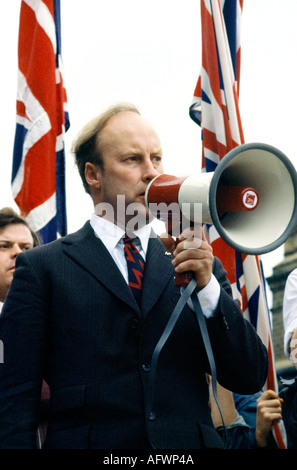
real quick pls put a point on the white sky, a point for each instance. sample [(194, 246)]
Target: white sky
[(150, 53)]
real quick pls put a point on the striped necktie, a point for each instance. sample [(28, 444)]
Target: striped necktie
[(135, 264)]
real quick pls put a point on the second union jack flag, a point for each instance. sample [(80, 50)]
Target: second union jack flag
[(215, 108)]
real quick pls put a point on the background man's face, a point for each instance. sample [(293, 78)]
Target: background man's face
[(14, 239)]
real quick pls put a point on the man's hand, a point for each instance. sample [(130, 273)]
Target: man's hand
[(191, 252), (269, 409)]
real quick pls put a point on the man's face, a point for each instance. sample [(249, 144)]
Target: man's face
[(132, 157), (14, 238)]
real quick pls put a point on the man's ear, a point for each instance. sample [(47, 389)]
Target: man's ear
[(93, 175)]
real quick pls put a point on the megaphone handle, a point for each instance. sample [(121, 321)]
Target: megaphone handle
[(183, 279)]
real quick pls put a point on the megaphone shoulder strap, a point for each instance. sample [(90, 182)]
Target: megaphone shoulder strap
[(187, 293), (207, 344)]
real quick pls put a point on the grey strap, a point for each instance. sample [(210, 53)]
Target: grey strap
[(188, 292)]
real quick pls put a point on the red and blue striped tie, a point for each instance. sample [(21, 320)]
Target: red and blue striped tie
[(135, 264)]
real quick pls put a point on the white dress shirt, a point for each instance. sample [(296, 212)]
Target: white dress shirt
[(290, 310), (112, 237)]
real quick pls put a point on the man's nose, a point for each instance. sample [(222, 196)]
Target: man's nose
[(149, 171), (15, 250)]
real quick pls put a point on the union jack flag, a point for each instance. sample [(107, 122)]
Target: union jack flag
[(38, 170), (215, 108)]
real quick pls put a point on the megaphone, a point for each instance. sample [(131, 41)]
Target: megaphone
[(250, 198)]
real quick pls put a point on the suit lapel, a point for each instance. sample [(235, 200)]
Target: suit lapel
[(90, 253)]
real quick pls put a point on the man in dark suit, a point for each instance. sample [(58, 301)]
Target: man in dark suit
[(16, 236), (71, 319)]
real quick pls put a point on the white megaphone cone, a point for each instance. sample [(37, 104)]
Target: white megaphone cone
[(251, 197)]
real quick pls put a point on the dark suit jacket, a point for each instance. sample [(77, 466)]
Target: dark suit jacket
[(70, 318)]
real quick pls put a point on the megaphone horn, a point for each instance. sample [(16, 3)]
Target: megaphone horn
[(250, 198)]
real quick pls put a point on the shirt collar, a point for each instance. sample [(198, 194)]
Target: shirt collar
[(111, 234)]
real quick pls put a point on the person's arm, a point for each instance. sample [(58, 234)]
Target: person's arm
[(269, 409), (227, 413), (229, 423), (23, 324), (240, 356)]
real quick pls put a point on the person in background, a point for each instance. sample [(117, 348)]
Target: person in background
[(246, 423), (16, 236), (91, 330), (289, 390)]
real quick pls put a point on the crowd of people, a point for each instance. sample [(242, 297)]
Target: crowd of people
[(88, 360)]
